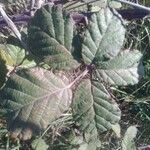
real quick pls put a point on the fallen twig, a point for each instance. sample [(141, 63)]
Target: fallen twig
[(10, 23), (126, 14), (134, 5), (144, 147), (133, 13), (12, 26)]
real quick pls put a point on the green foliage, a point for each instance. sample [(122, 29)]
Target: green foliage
[(12, 56), (100, 42), (36, 97), (70, 140), (39, 144), (139, 35), (15, 55), (92, 109), (128, 140), (124, 69), (3, 72), (51, 36)]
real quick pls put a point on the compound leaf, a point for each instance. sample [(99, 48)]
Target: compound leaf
[(124, 69), (104, 37), (51, 37), (34, 98), (93, 108)]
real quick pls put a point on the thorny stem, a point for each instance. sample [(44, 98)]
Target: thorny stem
[(81, 76)]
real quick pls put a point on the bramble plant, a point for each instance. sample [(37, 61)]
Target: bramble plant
[(71, 67)]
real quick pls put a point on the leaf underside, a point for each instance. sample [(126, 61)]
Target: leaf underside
[(93, 108), (51, 37), (34, 98)]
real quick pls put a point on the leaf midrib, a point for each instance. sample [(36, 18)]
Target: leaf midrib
[(45, 96)]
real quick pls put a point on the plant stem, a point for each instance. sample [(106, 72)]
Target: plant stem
[(134, 5), (81, 76)]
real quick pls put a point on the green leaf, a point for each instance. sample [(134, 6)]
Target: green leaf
[(39, 144), (124, 69), (117, 129), (104, 37), (34, 98), (89, 146), (70, 140), (115, 4), (14, 56), (94, 110), (128, 140), (3, 72), (51, 37), (10, 57)]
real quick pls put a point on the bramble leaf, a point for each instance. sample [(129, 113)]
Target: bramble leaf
[(51, 37), (39, 144), (114, 4), (93, 108), (128, 140), (34, 98), (124, 69), (3, 72), (104, 37), (14, 56), (70, 140)]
